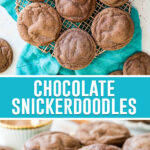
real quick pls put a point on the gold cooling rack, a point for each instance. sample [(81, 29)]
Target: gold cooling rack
[(85, 25)]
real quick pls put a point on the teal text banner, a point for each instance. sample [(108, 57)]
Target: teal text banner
[(75, 97)]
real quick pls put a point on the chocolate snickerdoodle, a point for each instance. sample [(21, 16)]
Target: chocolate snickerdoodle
[(137, 64), (112, 29), (75, 10), (6, 55), (114, 3), (75, 49), (52, 141), (39, 24)]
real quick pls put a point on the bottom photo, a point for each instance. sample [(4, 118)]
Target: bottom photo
[(74, 135)]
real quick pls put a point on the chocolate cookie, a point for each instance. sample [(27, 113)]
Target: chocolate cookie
[(39, 24), (112, 29), (75, 49), (5, 148), (114, 3), (52, 141), (138, 64), (37, 0), (118, 72), (75, 10), (102, 133), (140, 142), (143, 121), (100, 147), (6, 55)]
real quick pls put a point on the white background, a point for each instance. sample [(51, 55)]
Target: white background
[(8, 31)]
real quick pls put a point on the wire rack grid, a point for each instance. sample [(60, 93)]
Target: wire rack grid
[(85, 25)]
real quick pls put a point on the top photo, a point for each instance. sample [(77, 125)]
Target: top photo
[(74, 37)]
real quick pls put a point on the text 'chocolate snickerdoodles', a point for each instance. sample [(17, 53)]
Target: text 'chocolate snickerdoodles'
[(75, 10), (6, 55), (39, 24), (100, 147), (114, 3), (102, 133), (118, 72), (52, 141), (75, 49), (140, 142), (112, 29), (137, 64)]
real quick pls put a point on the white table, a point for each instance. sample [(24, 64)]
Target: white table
[(8, 31)]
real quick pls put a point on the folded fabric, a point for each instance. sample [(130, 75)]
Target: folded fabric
[(33, 62)]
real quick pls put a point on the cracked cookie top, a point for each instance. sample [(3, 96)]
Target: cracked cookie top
[(39, 24), (112, 29), (100, 147), (37, 0), (118, 72), (52, 141), (102, 133), (5, 148), (114, 3), (75, 49), (75, 10), (6, 55), (138, 64), (140, 142)]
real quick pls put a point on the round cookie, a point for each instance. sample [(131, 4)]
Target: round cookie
[(143, 121), (52, 141), (112, 29), (137, 64), (75, 10), (100, 147), (102, 133), (75, 49), (39, 24), (37, 0), (140, 142), (118, 72), (5, 148), (6, 55), (114, 3)]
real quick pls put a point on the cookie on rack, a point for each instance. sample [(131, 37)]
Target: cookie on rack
[(6, 55), (140, 142), (137, 64), (39, 24), (102, 133), (75, 49), (52, 141), (114, 3), (118, 72), (75, 10), (100, 147), (37, 0), (112, 29)]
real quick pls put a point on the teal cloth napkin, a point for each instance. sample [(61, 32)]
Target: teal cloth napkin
[(33, 62)]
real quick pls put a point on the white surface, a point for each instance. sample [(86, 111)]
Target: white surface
[(8, 31)]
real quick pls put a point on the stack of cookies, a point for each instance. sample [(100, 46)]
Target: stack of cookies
[(90, 136), (39, 24), (137, 64)]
